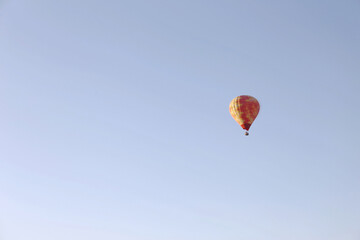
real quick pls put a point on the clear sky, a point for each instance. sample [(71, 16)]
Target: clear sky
[(115, 122)]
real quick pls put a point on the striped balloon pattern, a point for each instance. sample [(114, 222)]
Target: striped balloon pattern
[(244, 109)]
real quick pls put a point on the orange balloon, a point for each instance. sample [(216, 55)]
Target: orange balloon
[(244, 109)]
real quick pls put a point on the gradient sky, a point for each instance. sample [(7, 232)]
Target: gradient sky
[(115, 121)]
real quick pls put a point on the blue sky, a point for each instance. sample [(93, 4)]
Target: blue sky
[(115, 121)]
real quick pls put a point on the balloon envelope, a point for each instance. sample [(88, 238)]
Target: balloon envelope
[(244, 109)]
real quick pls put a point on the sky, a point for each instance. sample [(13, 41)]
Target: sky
[(115, 120)]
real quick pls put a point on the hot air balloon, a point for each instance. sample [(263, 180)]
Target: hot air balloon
[(244, 110)]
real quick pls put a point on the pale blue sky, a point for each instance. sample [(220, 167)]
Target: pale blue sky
[(115, 122)]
